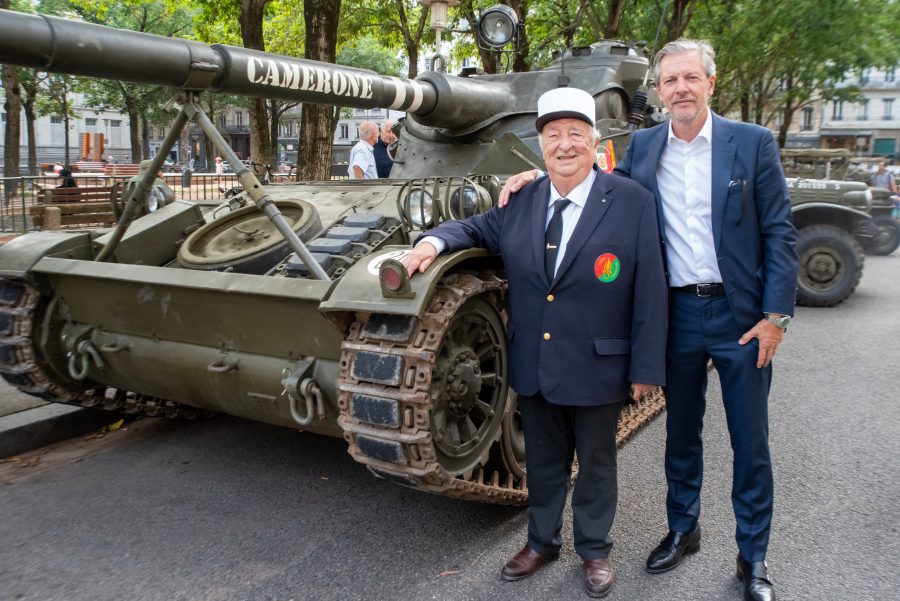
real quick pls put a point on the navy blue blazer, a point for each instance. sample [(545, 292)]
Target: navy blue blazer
[(606, 309), (751, 214)]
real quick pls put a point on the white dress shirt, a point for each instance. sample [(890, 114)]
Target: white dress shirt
[(578, 197), (684, 177), (363, 156)]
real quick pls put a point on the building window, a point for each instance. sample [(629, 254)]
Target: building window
[(115, 132), (888, 109), (239, 118), (779, 120), (863, 114), (806, 124), (838, 112), (864, 77), (222, 121), (889, 74), (345, 131), (57, 130)]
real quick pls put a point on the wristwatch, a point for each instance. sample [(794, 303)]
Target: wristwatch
[(780, 321)]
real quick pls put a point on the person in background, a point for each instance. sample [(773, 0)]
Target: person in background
[(883, 178), (362, 158), (383, 162), (220, 167), (586, 328), (66, 177)]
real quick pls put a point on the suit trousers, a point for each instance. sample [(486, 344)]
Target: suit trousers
[(553, 434), (700, 328)]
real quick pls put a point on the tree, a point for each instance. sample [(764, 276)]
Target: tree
[(12, 106), (31, 82), (56, 101), (317, 122)]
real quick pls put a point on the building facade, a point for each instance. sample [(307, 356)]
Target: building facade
[(870, 127)]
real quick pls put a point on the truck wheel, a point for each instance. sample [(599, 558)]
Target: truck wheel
[(831, 264), (887, 238)]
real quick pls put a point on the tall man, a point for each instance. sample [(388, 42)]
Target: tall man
[(732, 272), (383, 162), (587, 315), (362, 159)]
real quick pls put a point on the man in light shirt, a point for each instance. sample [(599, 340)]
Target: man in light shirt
[(362, 158), (733, 274), (732, 270), (586, 329)]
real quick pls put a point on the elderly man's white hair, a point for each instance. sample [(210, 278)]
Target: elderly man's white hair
[(367, 129)]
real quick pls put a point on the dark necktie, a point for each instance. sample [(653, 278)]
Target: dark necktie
[(553, 237)]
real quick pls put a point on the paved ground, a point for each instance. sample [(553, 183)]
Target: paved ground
[(226, 509)]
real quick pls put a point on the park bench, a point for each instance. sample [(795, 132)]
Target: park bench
[(89, 167), (122, 170), (77, 206)]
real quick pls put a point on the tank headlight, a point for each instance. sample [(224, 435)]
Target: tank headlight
[(469, 200), (420, 207), (497, 26)]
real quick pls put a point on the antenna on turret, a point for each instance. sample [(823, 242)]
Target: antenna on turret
[(562, 80)]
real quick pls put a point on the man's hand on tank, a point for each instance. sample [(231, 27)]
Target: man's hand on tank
[(421, 257), (639, 390), (516, 183)]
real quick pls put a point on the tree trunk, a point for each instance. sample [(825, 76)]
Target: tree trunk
[(614, 18), (488, 57), (13, 108), (411, 39), (273, 114), (65, 112), (677, 22), (317, 122), (28, 106), (145, 138), (520, 56), (134, 124), (251, 20)]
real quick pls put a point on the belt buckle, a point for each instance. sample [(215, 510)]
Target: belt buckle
[(704, 290)]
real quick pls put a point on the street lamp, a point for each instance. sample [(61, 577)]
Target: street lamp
[(497, 27), (438, 23)]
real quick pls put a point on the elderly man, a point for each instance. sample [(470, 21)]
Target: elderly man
[(587, 316), (383, 162), (362, 159)]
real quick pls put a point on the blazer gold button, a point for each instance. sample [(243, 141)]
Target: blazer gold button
[(549, 298), (546, 335)]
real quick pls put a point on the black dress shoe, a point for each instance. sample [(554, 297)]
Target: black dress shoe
[(524, 563), (755, 580), (667, 555)]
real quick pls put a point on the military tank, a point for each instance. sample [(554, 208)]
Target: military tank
[(293, 309)]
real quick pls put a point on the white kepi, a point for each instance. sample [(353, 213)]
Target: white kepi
[(565, 103)]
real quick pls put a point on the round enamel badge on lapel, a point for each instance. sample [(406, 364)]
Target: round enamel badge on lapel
[(606, 267)]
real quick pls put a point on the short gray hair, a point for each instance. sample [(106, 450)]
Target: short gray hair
[(681, 45), (367, 129)]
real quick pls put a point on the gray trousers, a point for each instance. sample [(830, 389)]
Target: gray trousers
[(553, 434)]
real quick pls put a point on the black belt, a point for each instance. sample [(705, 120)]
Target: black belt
[(703, 290)]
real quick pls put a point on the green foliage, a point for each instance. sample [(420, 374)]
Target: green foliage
[(367, 53)]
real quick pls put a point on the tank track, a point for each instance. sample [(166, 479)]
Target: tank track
[(22, 365), (403, 449)]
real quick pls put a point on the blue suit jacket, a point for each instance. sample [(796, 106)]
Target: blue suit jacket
[(751, 214), (603, 334)]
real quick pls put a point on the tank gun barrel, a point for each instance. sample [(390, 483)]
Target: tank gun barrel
[(63, 46)]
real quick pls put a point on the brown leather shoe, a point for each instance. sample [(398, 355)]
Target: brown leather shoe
[(598, 577), (525, 563)]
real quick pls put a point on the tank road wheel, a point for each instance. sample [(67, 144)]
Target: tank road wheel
[(887, 237), (831, 264), (423, 400), (512, 438), (469, 389)]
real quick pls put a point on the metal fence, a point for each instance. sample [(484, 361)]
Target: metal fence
[(19, 194)]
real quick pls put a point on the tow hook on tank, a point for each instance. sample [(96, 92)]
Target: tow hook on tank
[(80, 359), (305, 392)]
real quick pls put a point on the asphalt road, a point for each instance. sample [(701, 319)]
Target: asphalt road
[(230, 510)]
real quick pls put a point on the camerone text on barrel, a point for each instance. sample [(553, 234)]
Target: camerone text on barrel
[(282, 74)]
